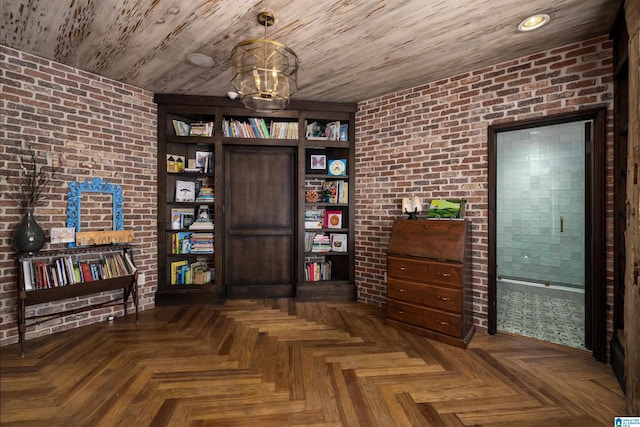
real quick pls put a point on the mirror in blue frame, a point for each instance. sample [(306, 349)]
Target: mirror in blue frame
[(94, 185)]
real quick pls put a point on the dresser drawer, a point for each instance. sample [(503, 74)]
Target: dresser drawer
[(441, 273), (431, 295), (435, 320)]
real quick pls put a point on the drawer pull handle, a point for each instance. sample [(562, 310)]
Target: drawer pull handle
[(399, 312), (443, 298), (402, 268), (401, 290), (444, 274), (443, 323)]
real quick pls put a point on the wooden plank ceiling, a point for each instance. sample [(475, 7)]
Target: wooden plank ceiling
[(350, 50)]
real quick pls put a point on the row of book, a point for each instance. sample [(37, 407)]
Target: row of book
[(186, 242), (41, 274), (320, 242), (257, 128), (195, 273), (317, 270), (193, 129)]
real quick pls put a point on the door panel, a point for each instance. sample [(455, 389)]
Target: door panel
[(260, 187)]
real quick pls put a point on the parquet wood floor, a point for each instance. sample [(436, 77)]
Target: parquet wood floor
[(283, 363)]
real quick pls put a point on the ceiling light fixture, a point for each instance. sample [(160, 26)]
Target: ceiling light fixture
[(264, 72), (534, 22), (201, 60)]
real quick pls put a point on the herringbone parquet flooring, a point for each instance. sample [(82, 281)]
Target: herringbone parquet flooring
[(282, 363)]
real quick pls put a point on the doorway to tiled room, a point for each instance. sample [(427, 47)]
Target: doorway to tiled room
[(546, 229)]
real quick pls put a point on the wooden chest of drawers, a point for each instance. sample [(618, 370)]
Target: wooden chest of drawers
[(429, 279)]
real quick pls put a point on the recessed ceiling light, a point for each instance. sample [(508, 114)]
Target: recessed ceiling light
[(201, 60), (533, 22)]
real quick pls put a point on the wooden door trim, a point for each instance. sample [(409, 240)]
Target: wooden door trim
[(596, 263)]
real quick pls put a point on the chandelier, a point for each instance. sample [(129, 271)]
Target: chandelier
[(264, 72)]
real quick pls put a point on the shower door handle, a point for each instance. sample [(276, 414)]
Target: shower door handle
[(561, 224)]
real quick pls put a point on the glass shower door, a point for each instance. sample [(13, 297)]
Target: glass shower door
[(540, 232)]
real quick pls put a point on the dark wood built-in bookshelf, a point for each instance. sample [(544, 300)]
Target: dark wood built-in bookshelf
[(55, 275), (261, 176)]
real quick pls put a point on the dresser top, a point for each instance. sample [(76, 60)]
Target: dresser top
[(437, 239)]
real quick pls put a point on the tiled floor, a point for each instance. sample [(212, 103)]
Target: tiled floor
[(552, 319)]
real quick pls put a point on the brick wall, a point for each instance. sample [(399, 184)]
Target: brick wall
[(101, 128), (431, 141)]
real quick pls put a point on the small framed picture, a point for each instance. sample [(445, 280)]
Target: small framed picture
[(318, 162), (63, 235)]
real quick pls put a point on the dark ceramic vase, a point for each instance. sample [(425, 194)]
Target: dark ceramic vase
[(29, 236)]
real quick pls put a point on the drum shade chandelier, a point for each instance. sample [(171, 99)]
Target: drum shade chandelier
[(264, 72)]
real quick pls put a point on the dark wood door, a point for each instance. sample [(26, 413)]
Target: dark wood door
[(260, 188)]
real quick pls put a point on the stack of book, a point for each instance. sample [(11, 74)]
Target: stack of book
[(313, 218), (321, 243), (201, 224), (201, 243), (205, 195)]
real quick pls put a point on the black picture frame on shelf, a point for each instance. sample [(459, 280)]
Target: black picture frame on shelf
[(318, 162)]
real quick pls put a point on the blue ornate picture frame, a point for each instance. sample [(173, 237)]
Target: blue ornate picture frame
[(94, 185)]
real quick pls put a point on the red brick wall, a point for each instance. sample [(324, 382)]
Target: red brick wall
[(431, 141), (103, 129)]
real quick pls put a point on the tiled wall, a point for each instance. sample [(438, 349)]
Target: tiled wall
[(431, 141), (101, 128), (540, 213)]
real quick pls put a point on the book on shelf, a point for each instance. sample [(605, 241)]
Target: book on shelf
[(315, 271), (343, 192), (204, 161), (195, 273), (333, 219), (181, 218), (27, 275), (202, 225), (185, 191), (201, 243), (330, 191), (313, 218), (257, 128), (201, 129), (320, 243), (181, 242), (332, 131), (336, 191), (181, 128), (338, 242), (65, 270), (344, 132)]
